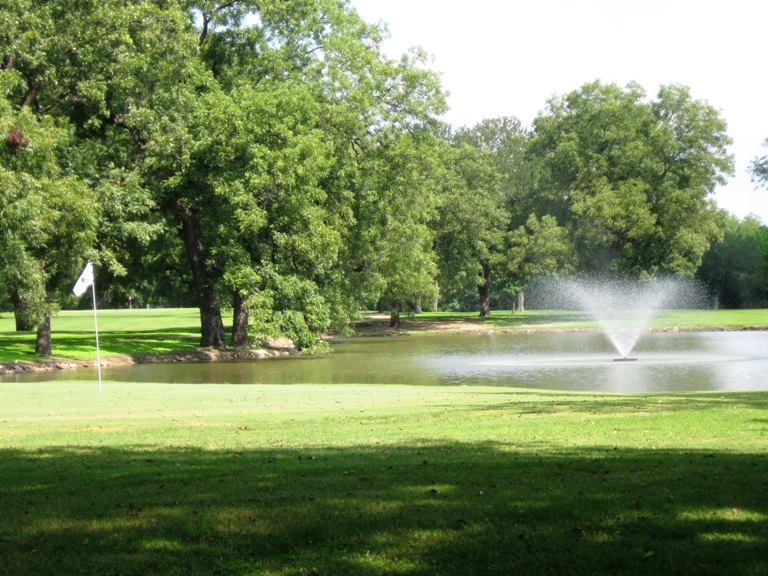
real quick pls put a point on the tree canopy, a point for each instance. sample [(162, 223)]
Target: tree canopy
[(269, 159), (632, 178)]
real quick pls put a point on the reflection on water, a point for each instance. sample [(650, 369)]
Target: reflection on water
[(566, 361)]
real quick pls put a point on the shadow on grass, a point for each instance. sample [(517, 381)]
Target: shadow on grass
[(544, 403), (133, 343), (81, 344), (435, 509)]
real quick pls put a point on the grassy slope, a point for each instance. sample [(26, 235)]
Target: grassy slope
[(144, 331), (364, 480)]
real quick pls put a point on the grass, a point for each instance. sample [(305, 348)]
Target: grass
[(368, 480), (130, 332), (568, 319)]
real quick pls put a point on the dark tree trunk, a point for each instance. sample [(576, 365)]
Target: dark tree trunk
[(211, 325), (21, 313), (484, 290), (520, 304), (239, 321), (394, 316), (23, 323), (43, 340)]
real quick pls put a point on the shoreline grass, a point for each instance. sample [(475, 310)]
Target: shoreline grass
[(369, 480)]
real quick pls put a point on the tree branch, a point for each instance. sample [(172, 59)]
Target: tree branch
[(31, 96)]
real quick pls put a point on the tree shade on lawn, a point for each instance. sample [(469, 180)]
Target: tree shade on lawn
[(379, 480)]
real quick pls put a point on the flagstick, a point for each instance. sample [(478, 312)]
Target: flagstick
[(96, 326)]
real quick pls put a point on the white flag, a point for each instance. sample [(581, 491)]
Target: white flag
[(85, 280)]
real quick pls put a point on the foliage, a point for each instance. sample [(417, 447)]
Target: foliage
[(759, 168), (540, 248), (632, 178), (47, 214), (243, 135), (735, 269), (397, 203), (269, 156), (472, 218)]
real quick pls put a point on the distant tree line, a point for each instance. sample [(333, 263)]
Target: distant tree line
[(267, 160)]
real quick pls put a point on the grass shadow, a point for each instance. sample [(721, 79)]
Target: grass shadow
[(446, 508), (526, 402)]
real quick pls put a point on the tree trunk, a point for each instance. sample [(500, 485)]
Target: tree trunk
[(394, 316), (43, 340), (436, 298), (211, 325), (520, 305), (417, 306), (239, 321), (20, 313), (485, 292)]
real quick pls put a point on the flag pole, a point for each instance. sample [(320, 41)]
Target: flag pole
[(96, 326)]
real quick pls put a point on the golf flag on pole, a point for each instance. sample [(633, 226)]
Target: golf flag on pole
[(85, 281)]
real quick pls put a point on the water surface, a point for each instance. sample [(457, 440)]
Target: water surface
[(667, 362)]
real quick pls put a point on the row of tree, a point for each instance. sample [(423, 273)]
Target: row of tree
[(267, 158)]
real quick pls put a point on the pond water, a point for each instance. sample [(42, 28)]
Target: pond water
[(666, 362)]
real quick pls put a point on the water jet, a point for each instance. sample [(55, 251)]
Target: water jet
[(623, 309)]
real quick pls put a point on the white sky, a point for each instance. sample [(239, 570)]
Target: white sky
[(506, 58)]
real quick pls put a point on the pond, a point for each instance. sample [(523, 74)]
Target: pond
[(666, 362)]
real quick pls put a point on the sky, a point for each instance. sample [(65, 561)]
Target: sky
[(507, 58)]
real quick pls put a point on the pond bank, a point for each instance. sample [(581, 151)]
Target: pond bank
[(278, 348), (378, 325)]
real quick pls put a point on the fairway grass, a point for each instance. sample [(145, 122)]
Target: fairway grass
[(121, 332), (368, 480)]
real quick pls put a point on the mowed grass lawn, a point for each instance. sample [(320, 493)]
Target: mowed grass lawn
[(131, 332), (368, 480), (169, 330)]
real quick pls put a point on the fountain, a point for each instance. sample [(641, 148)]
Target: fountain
[(622, 308)]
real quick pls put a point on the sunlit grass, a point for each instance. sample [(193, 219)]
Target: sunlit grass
[(121, 332)]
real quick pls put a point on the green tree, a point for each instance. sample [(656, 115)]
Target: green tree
[(472, 221), (245, 133), (539, 248), (328, 101), (494, 203), (399, 198), (73, 65), (759, 168), (48, 215), (735, 269), (632, 178)]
